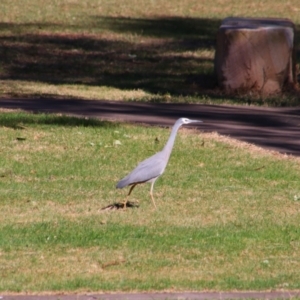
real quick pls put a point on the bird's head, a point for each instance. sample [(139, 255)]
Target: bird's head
[(188, 121)]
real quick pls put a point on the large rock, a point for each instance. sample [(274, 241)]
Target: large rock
[(255, 56)]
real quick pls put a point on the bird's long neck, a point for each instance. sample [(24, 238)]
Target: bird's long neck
[(169, 146)]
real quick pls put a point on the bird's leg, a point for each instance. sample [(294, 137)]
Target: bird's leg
[(151, 194), (132, 187), (126, 200), (153, 200)]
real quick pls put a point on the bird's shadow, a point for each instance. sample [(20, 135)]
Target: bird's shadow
[(120, 205)]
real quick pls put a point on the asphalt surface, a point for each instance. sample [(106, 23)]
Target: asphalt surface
[(272, 128)]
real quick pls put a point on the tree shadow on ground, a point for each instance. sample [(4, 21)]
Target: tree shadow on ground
[(202, 31), (156, 55)]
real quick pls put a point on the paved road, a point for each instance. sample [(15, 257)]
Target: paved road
[(273, 128)]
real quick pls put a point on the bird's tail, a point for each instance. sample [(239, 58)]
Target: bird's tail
[(122, 183)]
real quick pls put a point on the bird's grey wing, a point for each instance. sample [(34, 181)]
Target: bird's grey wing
[(146, 170)]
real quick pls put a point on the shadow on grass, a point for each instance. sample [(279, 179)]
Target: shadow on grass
[(20, 120), (201, 32), (155, 55)]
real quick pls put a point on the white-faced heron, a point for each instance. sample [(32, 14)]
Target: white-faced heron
[(151, 168)]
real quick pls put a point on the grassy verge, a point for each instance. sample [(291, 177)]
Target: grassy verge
[(227, 218), (134, 51)]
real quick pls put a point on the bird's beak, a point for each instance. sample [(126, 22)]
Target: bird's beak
[(195, 121)]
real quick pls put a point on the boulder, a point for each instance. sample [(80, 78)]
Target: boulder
[(255, 56)]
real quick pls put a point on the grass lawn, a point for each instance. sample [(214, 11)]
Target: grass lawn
[(228, 212), (134, 50), (227, 217)]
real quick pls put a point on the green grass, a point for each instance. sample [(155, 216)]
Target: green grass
[(227, 217), (134, 51), (228, 213)]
